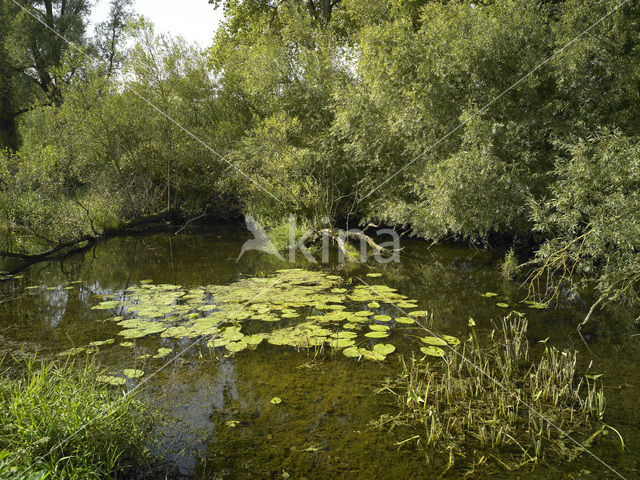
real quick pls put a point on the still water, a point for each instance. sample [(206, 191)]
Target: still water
[(217, 419)]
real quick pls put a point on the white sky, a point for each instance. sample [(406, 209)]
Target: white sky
[(195, 20)]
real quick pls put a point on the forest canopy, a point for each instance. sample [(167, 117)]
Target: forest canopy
[(504, 121)]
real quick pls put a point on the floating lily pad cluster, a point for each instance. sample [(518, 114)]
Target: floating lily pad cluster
[(526, 303), (294, 307)]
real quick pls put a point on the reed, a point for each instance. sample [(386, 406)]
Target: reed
[(474, 403)]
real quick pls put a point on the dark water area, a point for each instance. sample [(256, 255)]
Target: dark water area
[(217, 417)]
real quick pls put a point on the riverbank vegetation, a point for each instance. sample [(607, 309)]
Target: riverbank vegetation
[(59, 421), (507, 123)]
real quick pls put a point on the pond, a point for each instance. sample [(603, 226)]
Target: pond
[(247, 408)]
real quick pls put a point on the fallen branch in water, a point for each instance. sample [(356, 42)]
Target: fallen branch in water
[(85, 241)]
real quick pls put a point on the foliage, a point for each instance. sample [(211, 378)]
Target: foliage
[(33, 59), (458, 120), (592, 215), (59, 419)]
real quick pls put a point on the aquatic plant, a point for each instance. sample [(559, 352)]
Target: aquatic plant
[(42, 415), (300, 308), (492, 401)]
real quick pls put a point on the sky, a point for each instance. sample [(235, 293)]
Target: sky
[(195, 20)]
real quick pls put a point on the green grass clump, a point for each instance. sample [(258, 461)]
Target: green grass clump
[(491, 401), (42, 425)]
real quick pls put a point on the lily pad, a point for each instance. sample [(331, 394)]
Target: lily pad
[(276, 400), (489, 294), (351, 352), (163, 352), (384, 349), (379, 328), (132, 373), (451, 340), (111, 380), (382, 318), (434, 341), (374, 275), (502, 305), (432, 351), (236, 346), (341, 342), (375, 334), (99, 343), (106, 305), (405, 320)]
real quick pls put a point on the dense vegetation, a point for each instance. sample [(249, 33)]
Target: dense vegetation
[(58, 421), (505, 120)]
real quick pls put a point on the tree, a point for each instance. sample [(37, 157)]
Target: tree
[(32, 56), (110, 34)]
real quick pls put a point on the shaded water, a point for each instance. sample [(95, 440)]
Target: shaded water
[(321, 429)]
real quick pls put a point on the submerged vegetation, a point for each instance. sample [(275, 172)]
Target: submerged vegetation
[(489, 400), (58, 421)]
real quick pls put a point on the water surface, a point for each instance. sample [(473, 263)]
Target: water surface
[(322, 427)]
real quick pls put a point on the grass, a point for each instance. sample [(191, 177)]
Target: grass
[(456, 410), (48, 404)]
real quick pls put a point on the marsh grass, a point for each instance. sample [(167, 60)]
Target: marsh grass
[(458, 411), (47, 403)]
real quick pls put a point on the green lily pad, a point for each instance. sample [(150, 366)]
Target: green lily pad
[(384, 349), (236, 346), (405, 320), (373, 305), (341, 342), (374, 275), (276, 400), (502, 305), (111, 380), (351, 352), (489, 294), (132, 373), (382, 318), (163, 352), (536, 305), (375, 334), (434, 341), (379, 328), (432, 351), (99, 343), (255, 339), (344, 334), (406, 305), (106, 305), (451, 340), (355, 352)]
